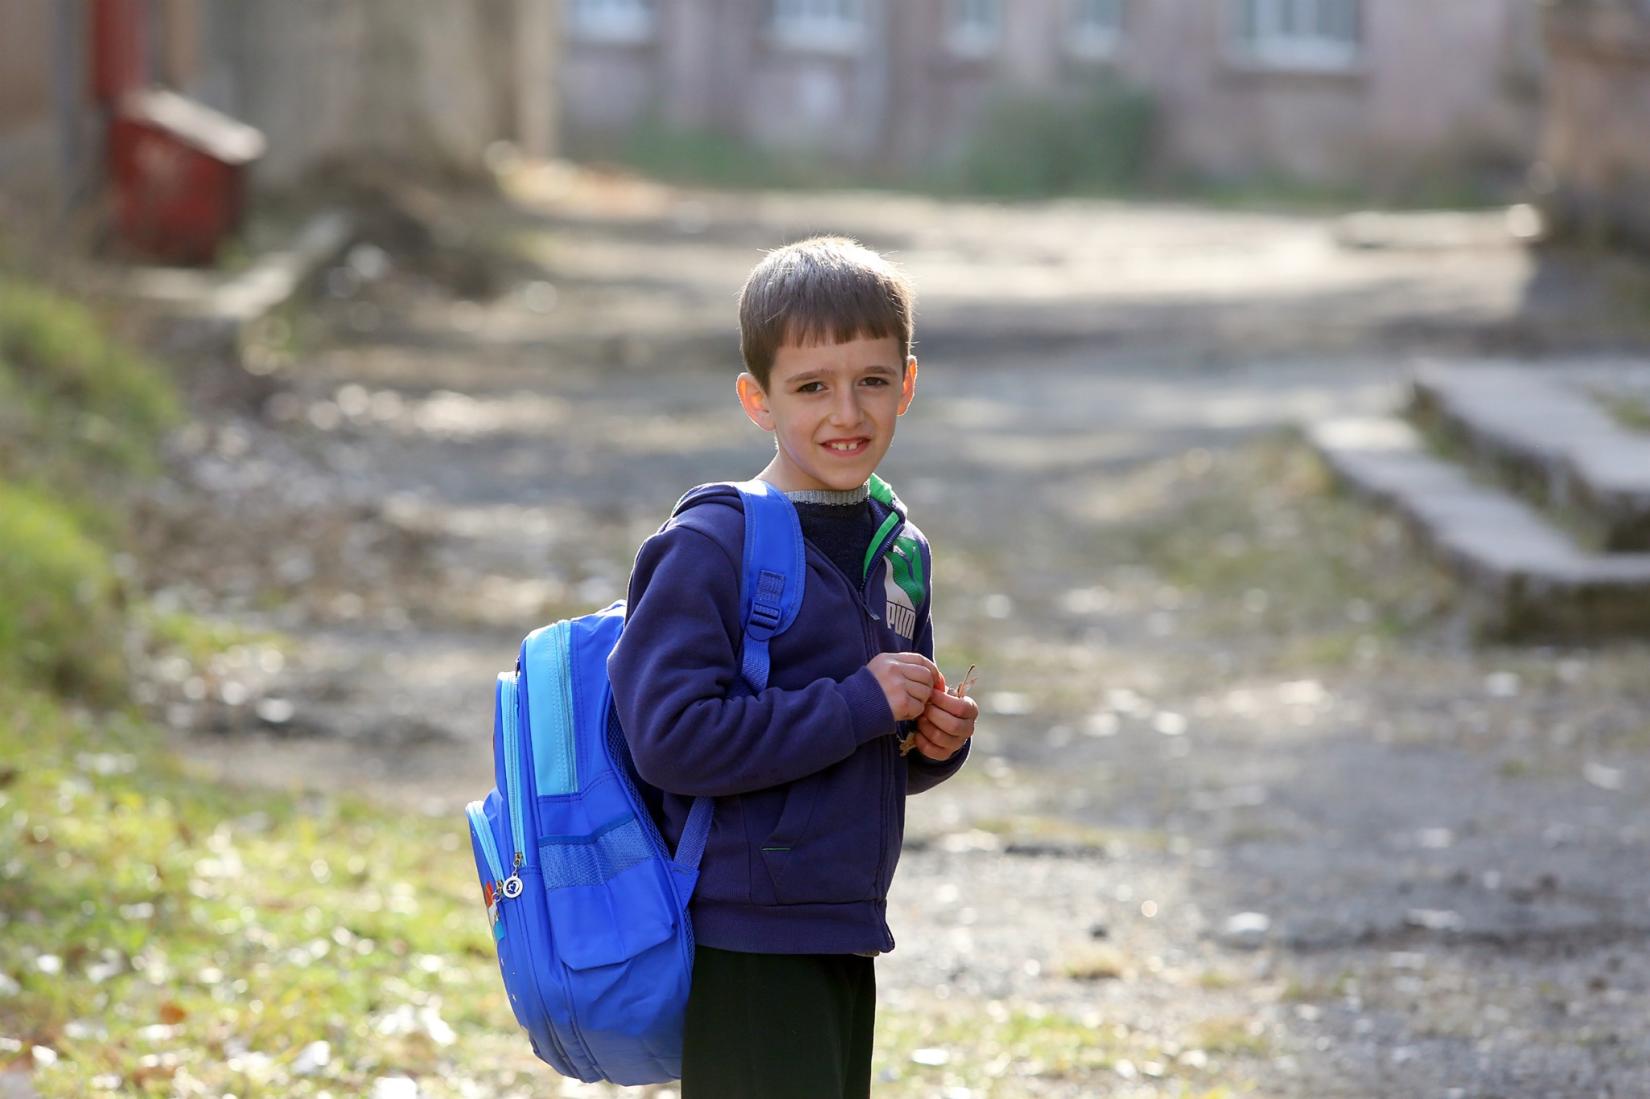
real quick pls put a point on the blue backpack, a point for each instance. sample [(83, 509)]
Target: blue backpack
[(588, 907)]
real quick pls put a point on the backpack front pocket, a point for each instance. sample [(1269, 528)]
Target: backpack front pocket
[(613, 915), (597, 925)]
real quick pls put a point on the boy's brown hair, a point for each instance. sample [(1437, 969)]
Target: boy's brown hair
[(821, 290)]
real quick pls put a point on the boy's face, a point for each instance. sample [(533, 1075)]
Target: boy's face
[(831, 409)]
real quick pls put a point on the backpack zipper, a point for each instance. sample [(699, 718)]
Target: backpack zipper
[(511, 705), (489, 849), (564, 735), (493, 893)]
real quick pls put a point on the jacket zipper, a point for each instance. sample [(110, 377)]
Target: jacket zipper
[(890, 533), (872, 649), (886, 746)]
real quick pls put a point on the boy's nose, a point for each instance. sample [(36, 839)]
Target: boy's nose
[(845, 409)]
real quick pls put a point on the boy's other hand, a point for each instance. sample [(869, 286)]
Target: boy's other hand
[(907, 681), (945, 725)]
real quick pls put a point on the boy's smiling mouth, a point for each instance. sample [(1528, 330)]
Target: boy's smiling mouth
[(846, 446)]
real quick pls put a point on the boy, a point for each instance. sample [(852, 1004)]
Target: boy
[(808, 776)]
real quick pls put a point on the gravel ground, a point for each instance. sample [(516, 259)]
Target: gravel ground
[(1248, 815)]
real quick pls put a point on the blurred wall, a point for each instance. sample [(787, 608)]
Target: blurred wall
[(1596, 140), (1434, 86), (25, 64), (428, 82), (38, 103), (421, 81), (50, 125)]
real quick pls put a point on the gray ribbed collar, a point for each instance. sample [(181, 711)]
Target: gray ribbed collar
[(831, 496)]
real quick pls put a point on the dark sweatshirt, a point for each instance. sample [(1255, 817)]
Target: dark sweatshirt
[(808, 780)]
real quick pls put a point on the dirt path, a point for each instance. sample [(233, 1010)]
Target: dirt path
[(1246, 817)]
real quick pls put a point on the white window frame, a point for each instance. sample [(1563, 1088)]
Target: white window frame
[(1313, 35), (974, 28), (835, 26), (612, 20), (1095, 28)]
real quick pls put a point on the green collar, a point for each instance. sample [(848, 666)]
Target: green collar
[(881, 492)]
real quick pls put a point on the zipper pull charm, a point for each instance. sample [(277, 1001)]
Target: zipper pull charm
[(512, 886)]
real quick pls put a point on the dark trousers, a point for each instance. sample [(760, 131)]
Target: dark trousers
[(779, 1026)]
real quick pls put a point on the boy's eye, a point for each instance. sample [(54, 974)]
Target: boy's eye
[(875, 380)]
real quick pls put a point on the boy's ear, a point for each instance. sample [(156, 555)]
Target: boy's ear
[(754, 401), (908, 387)]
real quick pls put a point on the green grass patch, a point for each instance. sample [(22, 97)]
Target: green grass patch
[(200, 640), (1095, 963), (1217, 980), (1302, 990), (1630, 412), (162, 934), (1032, 828), (1029, 145), (60, 614), (78, 403), (1234, 1035), (170, 936), (81, 419), (1261, 542), (707, 158), (999, 1050)]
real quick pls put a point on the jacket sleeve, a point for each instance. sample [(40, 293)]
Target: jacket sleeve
[(692, 725), (923, 773)]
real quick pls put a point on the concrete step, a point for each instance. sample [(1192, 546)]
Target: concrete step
[(1526, 578), (1550, 440)]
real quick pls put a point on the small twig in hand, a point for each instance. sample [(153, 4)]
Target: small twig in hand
[(961, 690)]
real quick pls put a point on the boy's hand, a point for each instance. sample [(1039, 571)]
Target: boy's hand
[(945, 725), (907, 681)]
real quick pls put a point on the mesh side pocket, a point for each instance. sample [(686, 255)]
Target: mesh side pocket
[(647, 799), (594, 859)]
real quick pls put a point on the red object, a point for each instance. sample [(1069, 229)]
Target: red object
[(179, 173), (119, 48)]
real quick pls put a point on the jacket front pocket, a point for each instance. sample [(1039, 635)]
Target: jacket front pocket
[(725, 872), (827, 844)]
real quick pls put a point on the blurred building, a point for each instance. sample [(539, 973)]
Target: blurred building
[(1330, 91), (425, 81), (47, 105), (1361, 92), (1596, 140)]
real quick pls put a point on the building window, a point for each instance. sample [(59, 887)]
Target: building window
[(974, 27), (1300, 34), (1096, 27), (612, 20), (818, 24)]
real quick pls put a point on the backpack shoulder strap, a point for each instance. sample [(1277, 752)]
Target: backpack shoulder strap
[(772, 575)]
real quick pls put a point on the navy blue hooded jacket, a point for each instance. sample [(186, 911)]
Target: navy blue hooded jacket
[(808, 780)]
